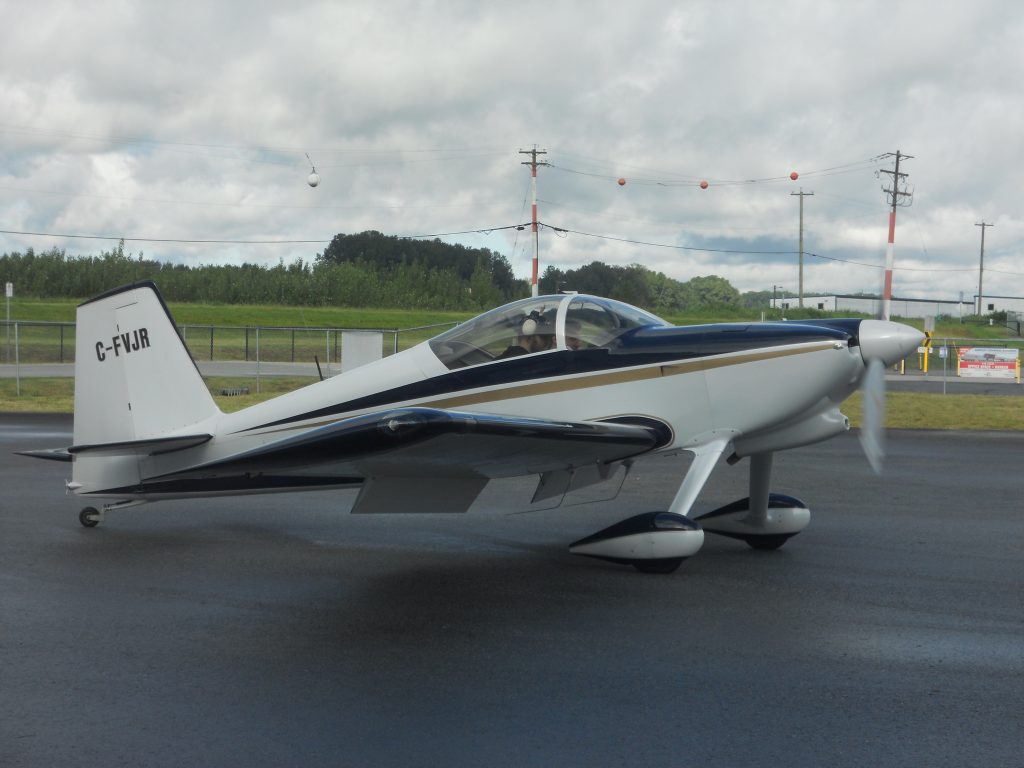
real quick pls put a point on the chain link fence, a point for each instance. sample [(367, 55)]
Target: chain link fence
[(49, 342)]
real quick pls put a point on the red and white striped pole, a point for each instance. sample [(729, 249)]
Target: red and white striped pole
[(890, 258), (534, 287), (889, 250)]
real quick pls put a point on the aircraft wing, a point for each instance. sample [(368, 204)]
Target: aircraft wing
[(430, 441), (430, 459)]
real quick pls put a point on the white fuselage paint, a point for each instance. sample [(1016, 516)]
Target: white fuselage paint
[(732, 394)]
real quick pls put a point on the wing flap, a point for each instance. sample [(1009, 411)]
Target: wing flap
[(385, 495)]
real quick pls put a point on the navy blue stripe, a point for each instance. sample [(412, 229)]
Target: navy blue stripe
[(234, 484), (644, 346)]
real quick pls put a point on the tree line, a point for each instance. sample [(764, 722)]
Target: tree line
[(367, 269)]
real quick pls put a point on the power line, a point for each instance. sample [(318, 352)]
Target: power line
[(195, 241), (518, 227), (761, 252), (158, 239), (683, 180), (117, 139)]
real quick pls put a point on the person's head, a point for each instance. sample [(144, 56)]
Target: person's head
[(537, 333)]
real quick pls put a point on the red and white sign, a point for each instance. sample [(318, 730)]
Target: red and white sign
[(988, 362)]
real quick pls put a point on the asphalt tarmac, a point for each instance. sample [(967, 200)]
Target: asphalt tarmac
[(283, 631)]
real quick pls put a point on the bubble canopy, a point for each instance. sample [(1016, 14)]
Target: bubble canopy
[(539, 325)]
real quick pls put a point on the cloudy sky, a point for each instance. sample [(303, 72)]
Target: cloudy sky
[(171, 122)]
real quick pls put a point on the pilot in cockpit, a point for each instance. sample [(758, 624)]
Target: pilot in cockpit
[(535, 335)]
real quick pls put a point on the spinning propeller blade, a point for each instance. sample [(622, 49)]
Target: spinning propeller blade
[(872, 431), (882, 343)]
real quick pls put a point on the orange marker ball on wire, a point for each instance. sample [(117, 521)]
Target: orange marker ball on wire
[(794, 175), (622, 182), (703, 185)]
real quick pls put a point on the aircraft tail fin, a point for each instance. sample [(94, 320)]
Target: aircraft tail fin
[(134, 377)]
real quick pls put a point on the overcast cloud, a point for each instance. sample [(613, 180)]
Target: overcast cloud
[(192, 121)]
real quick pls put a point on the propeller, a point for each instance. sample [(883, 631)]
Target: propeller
[(882, 343), (872, 429)]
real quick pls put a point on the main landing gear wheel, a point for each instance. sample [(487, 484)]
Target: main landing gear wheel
[(89, 517), (654, 542)]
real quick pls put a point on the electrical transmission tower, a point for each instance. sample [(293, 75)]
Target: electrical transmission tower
[(899, 196), (532, 162)]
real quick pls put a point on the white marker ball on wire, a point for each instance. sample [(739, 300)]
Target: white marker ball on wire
[(314, 179)]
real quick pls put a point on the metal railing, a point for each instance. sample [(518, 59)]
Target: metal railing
[(30, 342)]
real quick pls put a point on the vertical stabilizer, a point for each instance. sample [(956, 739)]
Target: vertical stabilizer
[(134, 377)]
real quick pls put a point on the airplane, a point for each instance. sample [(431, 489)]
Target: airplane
[(571, 388)]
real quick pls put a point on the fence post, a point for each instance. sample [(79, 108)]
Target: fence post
[(247, 343), (211, 343), (257, 357), (17, 363), (61, 360), (293, 345)]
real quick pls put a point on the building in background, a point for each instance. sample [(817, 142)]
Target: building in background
[(918, 308)]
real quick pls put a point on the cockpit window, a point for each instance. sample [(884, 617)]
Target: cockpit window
[(594, 322), (520, 328), (530, 326)]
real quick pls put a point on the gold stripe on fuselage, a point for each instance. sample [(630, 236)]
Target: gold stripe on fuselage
[(615, 377), (586, 381)]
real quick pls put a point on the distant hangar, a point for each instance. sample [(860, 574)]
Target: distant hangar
[(919, 308)]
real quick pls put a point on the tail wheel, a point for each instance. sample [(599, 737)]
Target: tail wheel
[(89, 517)]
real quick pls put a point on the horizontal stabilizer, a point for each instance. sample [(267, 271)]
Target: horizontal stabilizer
[(149, 447), (53, 454)]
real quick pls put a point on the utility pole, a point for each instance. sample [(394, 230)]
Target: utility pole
[(981, 263), (10, 294), (897, 198), (532, 162), (802, 195)]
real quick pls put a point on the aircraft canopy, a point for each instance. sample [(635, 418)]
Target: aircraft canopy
[(536, 325)]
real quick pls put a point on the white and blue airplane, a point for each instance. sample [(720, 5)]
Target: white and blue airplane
[(571, 388)]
